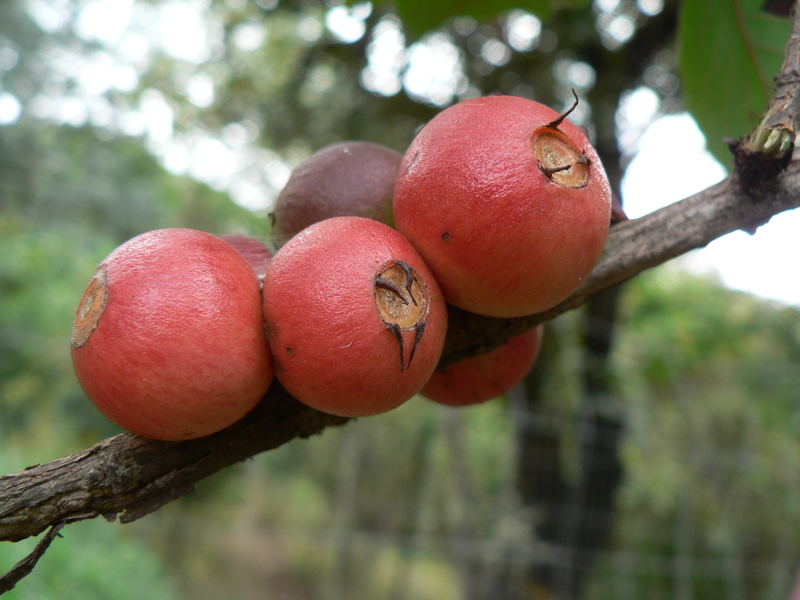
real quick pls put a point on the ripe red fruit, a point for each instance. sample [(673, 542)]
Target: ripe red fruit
[(355, 320), (346, 179), (506, 202), (169, 340), (486, 376), (255, 251)]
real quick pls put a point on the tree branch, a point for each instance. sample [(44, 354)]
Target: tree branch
[(131, 476), (636, 245)]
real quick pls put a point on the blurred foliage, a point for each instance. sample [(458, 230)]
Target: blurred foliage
[(420, 16), (94, 562), (417, 502), (709, 379)]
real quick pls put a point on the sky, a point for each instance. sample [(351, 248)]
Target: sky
[(673, 163), (669, 162)]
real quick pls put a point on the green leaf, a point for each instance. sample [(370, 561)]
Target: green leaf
[(729, 52), (420, 16)]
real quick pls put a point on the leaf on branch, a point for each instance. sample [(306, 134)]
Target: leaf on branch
[(767, 151), (729, 51)]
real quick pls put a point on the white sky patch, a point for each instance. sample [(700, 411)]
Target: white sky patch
[(124, 79), (50, 15), (239, 135), (581, 74), (621, 28), (104, 21), (200, 90), (39, 106), (258, 184), (101, 113), (176, 158), (213, 163), (158, 118), (96, 74), (10, 108), (606, 5), (132, 123), (495, 52), (182, 32), (673, 163), (637, 110), (136, 48), (276, 171), (249, 192), (522, 30), (8, 58), (62, 109), (249, 36), (348, 24), (386, 58), (309, 29), (764, 264), (435, 72), (650, 7)]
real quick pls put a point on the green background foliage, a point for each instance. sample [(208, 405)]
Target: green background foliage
[(419, 16)]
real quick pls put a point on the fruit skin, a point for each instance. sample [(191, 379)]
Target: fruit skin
[(176, 349), (486, 376), (350, 178), (333, 350), (502, 238), (255, 251)]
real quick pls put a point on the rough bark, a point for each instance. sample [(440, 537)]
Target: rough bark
[(132, 476)]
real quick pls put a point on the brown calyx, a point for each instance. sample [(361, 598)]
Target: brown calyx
[(403, 302), (561, 161), (559, 158), (402, 299), (91, 307)]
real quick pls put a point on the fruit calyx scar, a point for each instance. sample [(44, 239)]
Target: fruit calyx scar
[(402, 301), (558, 158)]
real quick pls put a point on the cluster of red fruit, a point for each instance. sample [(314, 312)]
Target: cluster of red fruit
[(500, 206)]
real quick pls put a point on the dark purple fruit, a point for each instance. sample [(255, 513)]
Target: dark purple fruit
[(348, 179)]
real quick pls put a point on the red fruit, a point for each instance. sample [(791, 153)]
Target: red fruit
[(255, 251), (486, 376), (354, 317), (506, 202), (169, 339), (341, 180)]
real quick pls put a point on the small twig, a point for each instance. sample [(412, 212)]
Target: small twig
[(768, 149), (24, 567)]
